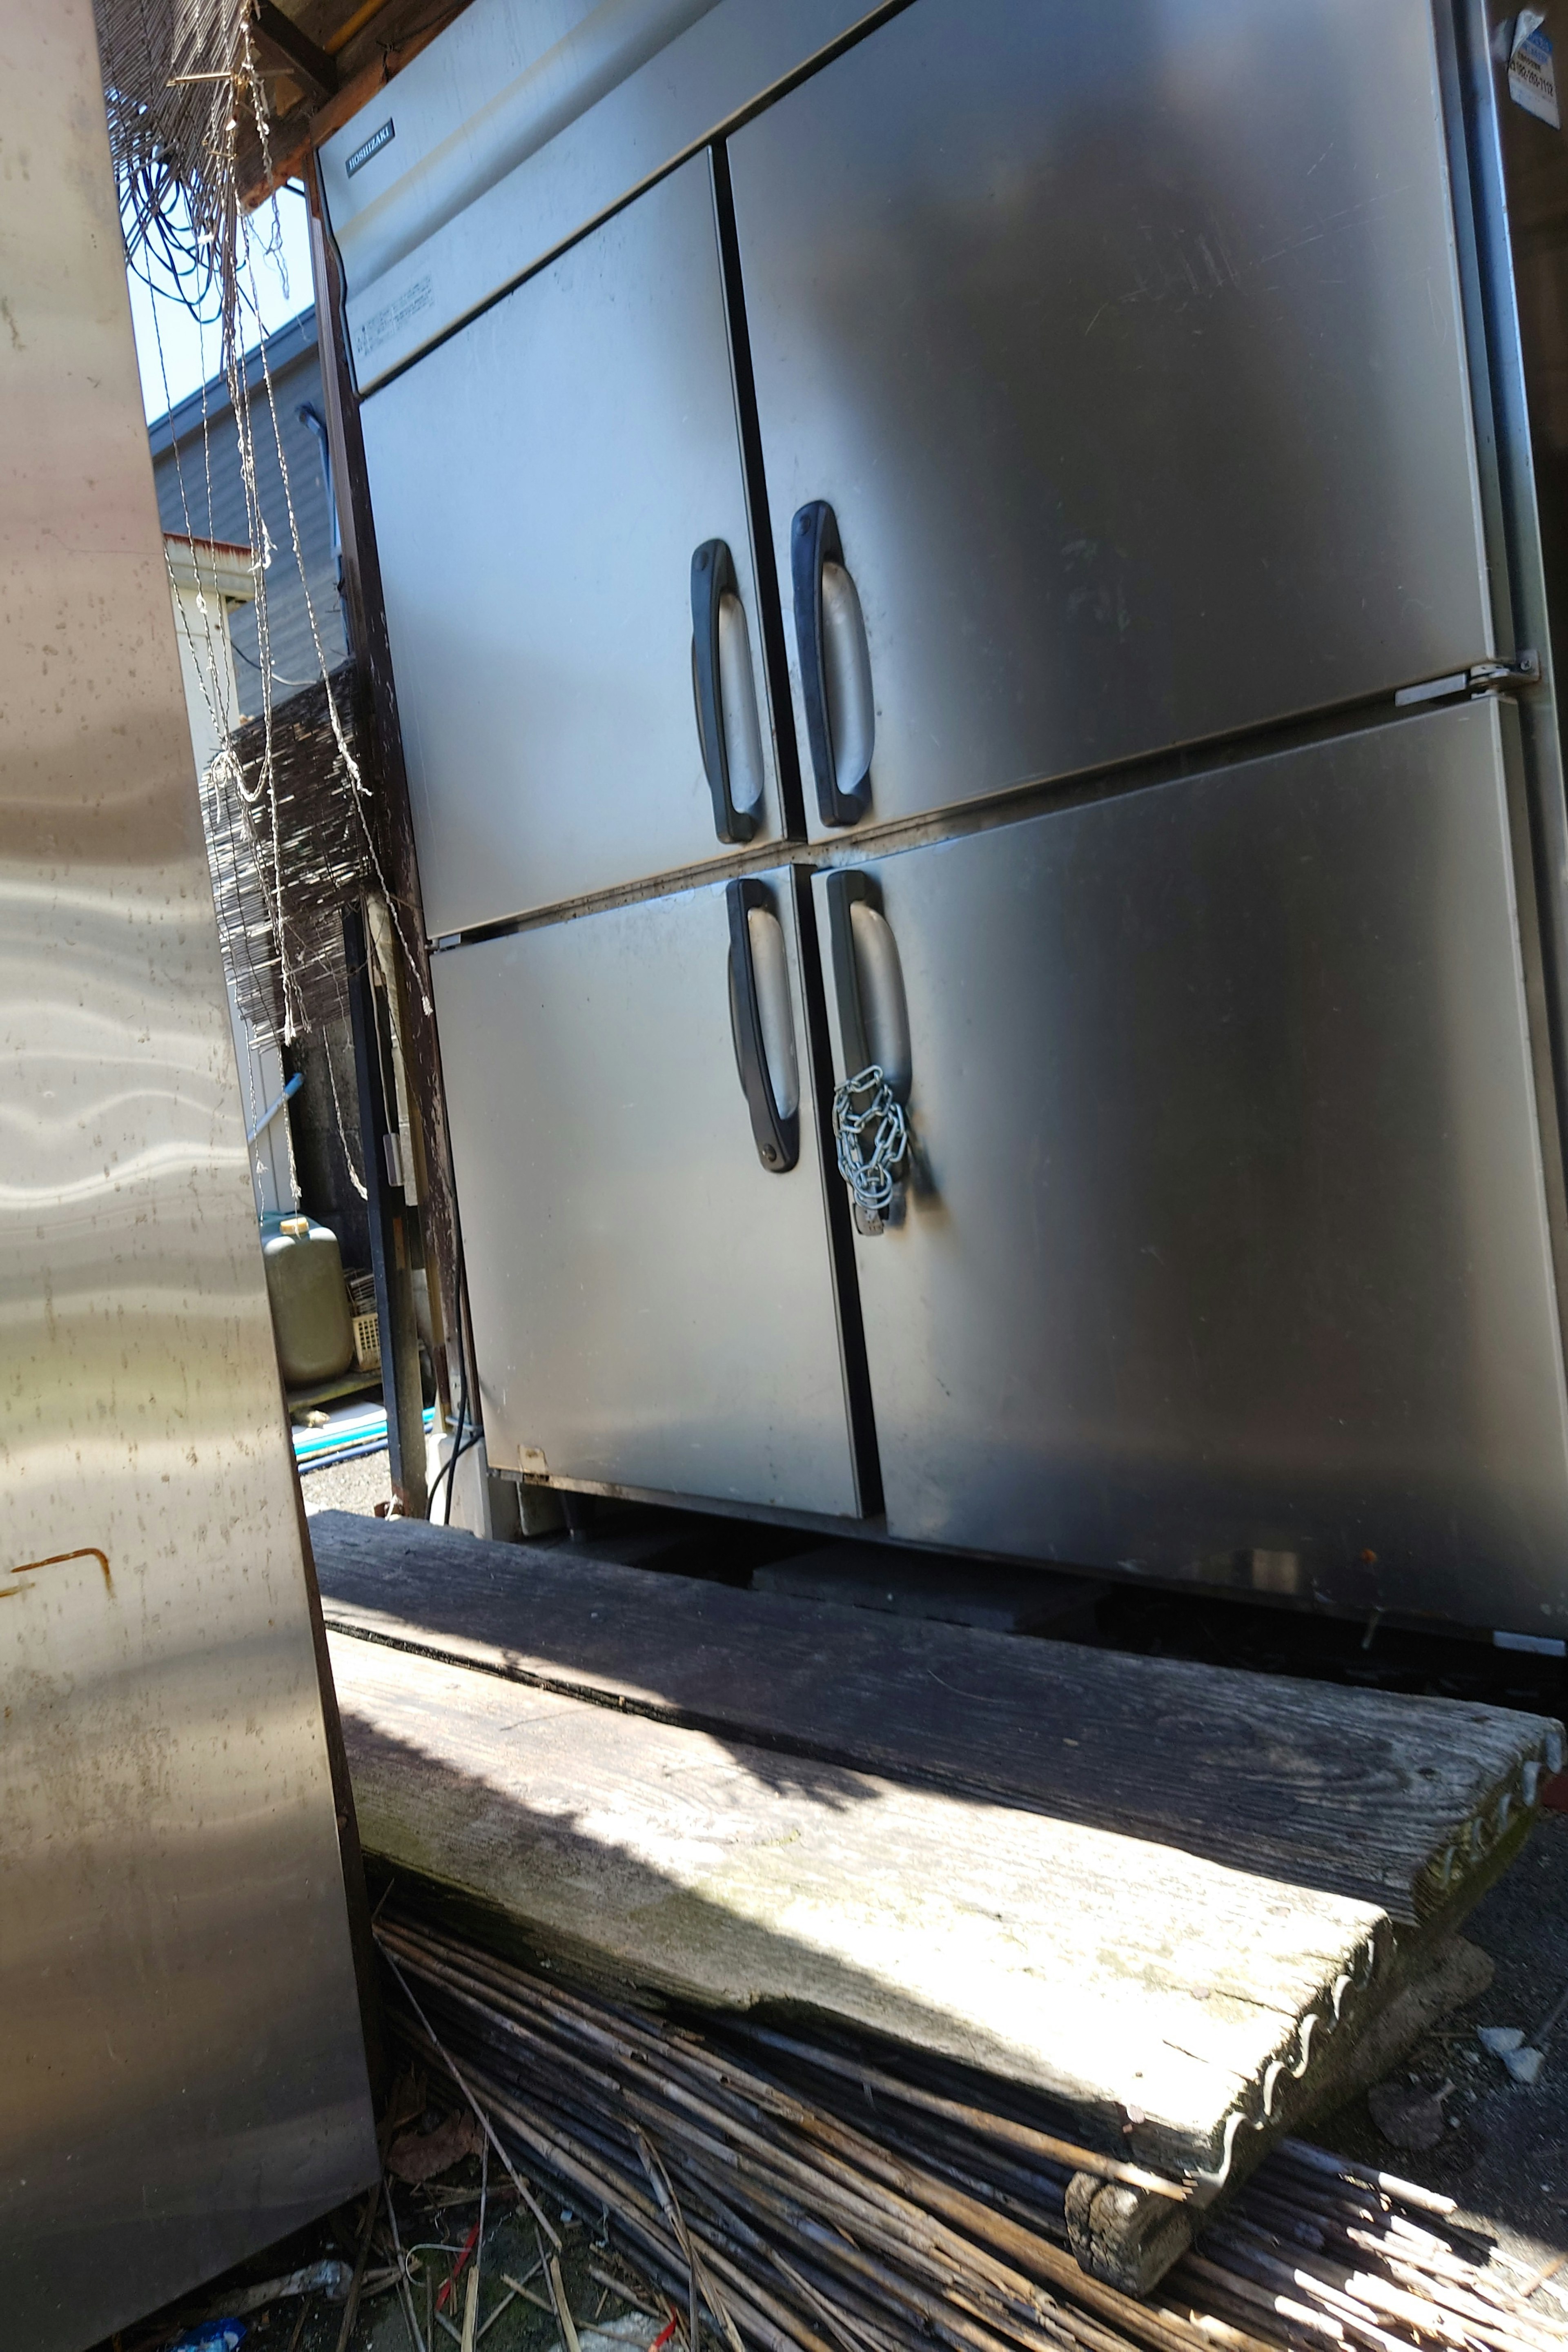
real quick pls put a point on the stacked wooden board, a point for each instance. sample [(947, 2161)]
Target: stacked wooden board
[(1168, 1898)]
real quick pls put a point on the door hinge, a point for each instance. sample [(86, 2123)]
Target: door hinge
[(1524, 669), (1482, 677)]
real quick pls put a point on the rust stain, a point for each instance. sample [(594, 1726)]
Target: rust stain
[(58, 1560)]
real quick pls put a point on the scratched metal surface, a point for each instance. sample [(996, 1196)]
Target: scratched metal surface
[(180, 2055), (1173, 292)]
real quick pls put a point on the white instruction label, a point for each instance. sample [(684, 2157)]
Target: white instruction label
[(1531, 77), (374, 332)]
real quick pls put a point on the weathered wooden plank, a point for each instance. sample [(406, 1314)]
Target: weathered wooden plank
[(1169, 2001), (1406, 1803)]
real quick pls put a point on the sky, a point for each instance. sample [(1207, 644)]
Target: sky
[(191, 353)]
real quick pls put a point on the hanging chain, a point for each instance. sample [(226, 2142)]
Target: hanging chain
[(871, 1139)]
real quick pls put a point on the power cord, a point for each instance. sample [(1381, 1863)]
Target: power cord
[(459, 1446)]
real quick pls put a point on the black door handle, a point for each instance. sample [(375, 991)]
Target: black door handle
[(843, 891), (835, 666), (775, 1133), (713, 579), (870, 1132), (867, 982)]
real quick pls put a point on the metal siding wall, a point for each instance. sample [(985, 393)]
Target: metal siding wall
[(202, 492)]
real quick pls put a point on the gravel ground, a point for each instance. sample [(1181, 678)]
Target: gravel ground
[(1505, 2155), (358, 1485)]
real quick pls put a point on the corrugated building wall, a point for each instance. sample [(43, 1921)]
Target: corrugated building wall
[(201, 490)]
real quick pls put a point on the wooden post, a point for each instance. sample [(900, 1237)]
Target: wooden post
[(389, 1254)]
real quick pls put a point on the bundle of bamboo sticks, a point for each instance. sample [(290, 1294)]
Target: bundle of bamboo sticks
[(791, 2197)]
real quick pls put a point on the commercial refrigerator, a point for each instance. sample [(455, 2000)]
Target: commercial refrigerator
[(180, 2043), (1113, 428)]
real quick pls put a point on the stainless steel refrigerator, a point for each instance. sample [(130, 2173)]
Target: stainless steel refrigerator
[(1033, 504), (183, 2074)]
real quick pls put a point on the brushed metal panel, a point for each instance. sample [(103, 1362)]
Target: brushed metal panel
[(534, 120), (504, 81), (1125, 343), (541, 484), (183, 2074), (1230, 1256), (652, 1308)]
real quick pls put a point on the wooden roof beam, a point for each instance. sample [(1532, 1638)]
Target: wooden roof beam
[(364, 54), (300, 51)]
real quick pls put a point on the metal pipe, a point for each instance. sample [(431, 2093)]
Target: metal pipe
[(337, 42), (271, 1113)]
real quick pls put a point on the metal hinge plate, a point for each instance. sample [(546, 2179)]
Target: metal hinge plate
[(1482, 677)]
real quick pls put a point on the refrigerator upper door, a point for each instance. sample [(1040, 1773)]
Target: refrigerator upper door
[(520, 125), (652, 1295), (1125, 345), (542, 484), (1225, 1247)]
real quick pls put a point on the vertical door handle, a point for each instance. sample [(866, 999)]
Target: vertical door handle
[(868, 983), (870, 1133), (835, 666), (724, 693), (762, 1023)]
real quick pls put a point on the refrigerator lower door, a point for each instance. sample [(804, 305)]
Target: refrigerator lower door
[(541, 485), (1125, 346), (1224, 1249), (653, 1302)]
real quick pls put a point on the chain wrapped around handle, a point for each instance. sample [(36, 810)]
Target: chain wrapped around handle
[(871, 1139)]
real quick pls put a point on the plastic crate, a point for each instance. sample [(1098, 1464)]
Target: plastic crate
[(362, 1293), (368, 1341)]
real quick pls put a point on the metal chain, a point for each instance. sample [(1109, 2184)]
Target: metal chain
[(870, 1137)]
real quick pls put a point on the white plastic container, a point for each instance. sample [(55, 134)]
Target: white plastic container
[(310, 1303)]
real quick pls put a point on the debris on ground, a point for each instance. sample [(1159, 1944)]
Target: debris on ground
[(1407, 2115), (1523, 2060), (1305, 2257), (778, 2193), (330, 2278), (419, 2156)]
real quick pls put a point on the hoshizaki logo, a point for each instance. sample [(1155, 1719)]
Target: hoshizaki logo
[(372, 146)]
